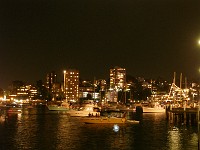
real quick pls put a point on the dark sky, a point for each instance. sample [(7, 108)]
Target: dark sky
[(149, 38)]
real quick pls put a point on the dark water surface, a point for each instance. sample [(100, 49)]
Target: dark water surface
[(40, 129)]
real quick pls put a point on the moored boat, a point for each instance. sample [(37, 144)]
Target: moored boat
[(84, 111), (13, 108), (103, 120), (107, 120), (88, 108), (63, 107), (153, 109), (112, 118)]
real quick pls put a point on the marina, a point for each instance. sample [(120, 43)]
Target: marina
[(163, 122), (100, 75), (39, 128)]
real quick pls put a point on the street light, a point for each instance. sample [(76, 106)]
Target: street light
[(64, 83)]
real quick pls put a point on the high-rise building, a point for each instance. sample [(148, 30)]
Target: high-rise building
[(51, 79), (117, 83), (117, 78), (101, 83), (86, 89), (71, 85)]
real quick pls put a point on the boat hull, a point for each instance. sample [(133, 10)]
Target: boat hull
[(75, 113), (153, 110), (57, 108), (14, 110), (103, 120)]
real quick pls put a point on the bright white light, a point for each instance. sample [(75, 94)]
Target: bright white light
[(116, 128)]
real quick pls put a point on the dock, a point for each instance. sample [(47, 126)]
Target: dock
[(188, 116)]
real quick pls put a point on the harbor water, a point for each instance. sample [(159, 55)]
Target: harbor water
[(40, 129)]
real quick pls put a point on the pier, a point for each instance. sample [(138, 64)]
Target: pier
[(189, 116)]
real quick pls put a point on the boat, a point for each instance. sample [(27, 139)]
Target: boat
[(84, 111), (63, 107), (153, 109), (111, 119), (88, 108), (114, 120), (107, 120), (13, 108)]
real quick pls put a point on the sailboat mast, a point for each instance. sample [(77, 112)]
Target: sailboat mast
[(181, 81), (94, 88), (174, 80)]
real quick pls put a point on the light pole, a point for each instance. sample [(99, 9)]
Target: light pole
[(64, 85)]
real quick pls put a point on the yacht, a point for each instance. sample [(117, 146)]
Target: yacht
[(112, 118), (63, 107), (153, 109), (86, 109)]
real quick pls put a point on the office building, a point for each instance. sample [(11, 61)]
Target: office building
[(71, 85), (117, 78), (117, 83)]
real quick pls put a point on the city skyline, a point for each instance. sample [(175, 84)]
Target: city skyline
[(52, 77), (149, 39)]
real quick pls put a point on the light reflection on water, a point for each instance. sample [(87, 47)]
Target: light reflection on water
[(177, 135), (45, 130)]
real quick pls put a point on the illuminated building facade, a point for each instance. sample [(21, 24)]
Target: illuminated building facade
[(117, 78), (71, 85), (102, 86), (117, 82), (51, 79), (53, 86), (86, 90), (21, 92)]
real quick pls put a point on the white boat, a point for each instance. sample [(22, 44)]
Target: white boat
[(86, 109), (63, 107), (153, 109)]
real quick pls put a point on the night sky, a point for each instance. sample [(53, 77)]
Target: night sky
[(150, 38)]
